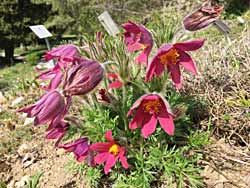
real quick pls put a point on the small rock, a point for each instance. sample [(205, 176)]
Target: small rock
[(60, 152), (29, 159), (28, 121), (22, 182), (17, 101), (11, 184), (23, 149), (2, 98)]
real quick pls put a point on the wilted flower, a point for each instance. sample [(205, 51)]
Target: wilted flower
[(116, 83), (82, 77), (67, 52), (171, 57), (79, 147), (137, 37), (103, 96), (109, 152), (50, 108), (150, 109), (201, 18)]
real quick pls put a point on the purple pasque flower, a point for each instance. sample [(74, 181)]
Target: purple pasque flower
[(66, 52), (170, 57), (79, 147), (149, 109), (49, 108), (109, 153), (202, 17), (57, 131), (83, 77), (137, 37), (55, 76)]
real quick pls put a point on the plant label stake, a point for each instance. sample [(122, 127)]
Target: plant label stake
[(108, 23), (42, 32)]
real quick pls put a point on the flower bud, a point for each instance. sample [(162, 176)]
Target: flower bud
[(50, 108), (82, 78)]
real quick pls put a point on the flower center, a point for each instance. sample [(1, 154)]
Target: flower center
[(152, 106), (171, 57), (143, 46), (114, 149)]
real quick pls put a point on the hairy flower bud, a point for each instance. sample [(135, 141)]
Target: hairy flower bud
[(82, 78)]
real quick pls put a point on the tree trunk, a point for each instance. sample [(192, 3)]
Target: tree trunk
[(9, 53)]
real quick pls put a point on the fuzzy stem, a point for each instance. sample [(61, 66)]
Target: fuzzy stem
[(124, 107)]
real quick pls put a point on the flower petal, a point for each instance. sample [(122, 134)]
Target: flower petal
[(123, 158), (108, 136), (166, 121), (111, 160), (100, 146), (134, 47), (149, 127), (187, 62), (175, 75), (115, 84), (137, 120), (101, 157), (189, 45)]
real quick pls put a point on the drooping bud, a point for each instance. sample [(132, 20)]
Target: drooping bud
[(50, 108), (202, 17), (82, 77)]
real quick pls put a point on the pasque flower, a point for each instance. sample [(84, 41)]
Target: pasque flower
[(109, 152), (50, 108), (83, 77), (137, 37), (202, 17), (116, 83), (171, 56), (55, 76), (79, 147), (149, 109), (67, 53), (57, 131)]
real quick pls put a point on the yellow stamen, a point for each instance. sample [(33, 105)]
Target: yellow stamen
[(153, 105), (170, 57), (114, 149), (143, 46)]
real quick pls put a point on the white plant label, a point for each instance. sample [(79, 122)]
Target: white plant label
[(40, 31), (108, 23)]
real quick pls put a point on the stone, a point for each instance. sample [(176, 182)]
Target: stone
[(23, 149), (28, 121)]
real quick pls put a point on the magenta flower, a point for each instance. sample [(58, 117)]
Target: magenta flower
[(57, 131), (137, 37), (79, 147), (82, 78), (50, 108), (55, 76), (203, 17), (149, 109), (67, 52), (171, 57), (116, 83), (109, 152)]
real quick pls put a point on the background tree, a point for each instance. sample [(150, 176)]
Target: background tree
[(15, 18)]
